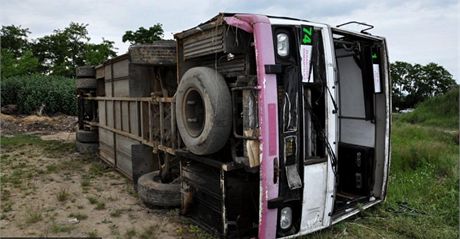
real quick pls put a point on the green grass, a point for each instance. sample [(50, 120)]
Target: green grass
[(79, 216), (100, 206), (439, 111), (116, 213), (51, 148), (61, 228), (92, 200), (131, 233), (62, 195), (33, 216)]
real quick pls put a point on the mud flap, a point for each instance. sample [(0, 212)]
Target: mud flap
[(142, 161)]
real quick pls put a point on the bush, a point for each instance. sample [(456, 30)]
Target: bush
[(438, 111), (29, 92)]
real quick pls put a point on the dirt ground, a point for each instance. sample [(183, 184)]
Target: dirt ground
[(13, 124), (47, 189)]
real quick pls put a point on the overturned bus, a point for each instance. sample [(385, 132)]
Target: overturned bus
[(256, 126)]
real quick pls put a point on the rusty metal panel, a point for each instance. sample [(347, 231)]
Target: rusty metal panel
[(204, 43), (101, 112), (143, 160), (123, 147), (106, 149), (141, 78), (157, 53), (118, 119), (235, 66), (134, 118), (120, 69), (100, 71), (108, 72), (121, 88), (125, 116), (108, 88), (110, 119)]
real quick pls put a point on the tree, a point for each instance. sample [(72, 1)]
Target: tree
[(61, 52), (14, 39), (16, 57), (27, 63), (97, 53), (142, 35), (413, 84)]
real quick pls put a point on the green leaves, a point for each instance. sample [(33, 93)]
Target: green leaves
[(14, 38), (415, 83), (61, 52), (142, 35), (58, 53), (30, 92)]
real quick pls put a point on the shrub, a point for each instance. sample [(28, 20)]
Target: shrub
[(30, 92), (439, 111)]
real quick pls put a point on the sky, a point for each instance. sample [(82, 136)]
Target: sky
[(421, 31)]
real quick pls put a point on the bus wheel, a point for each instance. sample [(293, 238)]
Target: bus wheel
[(203, 110)]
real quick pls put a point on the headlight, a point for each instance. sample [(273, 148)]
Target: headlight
[(282, 44), (286, 218)]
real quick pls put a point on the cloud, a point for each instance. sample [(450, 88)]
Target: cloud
[(420, 31)]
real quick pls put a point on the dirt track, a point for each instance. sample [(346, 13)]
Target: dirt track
[(47, 189)]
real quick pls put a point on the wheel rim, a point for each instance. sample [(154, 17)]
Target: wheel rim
[(194, 112)]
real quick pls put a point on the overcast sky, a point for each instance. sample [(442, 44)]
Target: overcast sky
[(420, 31)]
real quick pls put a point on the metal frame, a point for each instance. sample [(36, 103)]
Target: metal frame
[(145, 134)]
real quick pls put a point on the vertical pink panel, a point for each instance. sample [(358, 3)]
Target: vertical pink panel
[(272, 137), (268, 115)]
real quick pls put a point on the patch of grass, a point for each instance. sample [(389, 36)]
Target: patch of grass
[(5, 195), (97, 169), (441, 111), (79, 216), (7, 206), (114, 229), (100, 206), (149, 232), (130, 233), (116, 213), (425, 173), (61, 228), (33, 216), (16, 177), (52, 168), (85, 181), (92, 200), (198, 232), (62, 195), (20, 140), (92, 234)]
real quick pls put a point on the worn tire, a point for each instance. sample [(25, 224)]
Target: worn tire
[(86, 147), (86, 136), (203, 110), (86, 83), (85, 71), (156, 194)]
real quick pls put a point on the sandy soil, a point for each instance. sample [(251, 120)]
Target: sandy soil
[(47, 189)]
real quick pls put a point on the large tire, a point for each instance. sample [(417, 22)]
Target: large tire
[(85, 71), (86, 83), (156, 194), (85, 148), (203, 110), (86, 136)]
